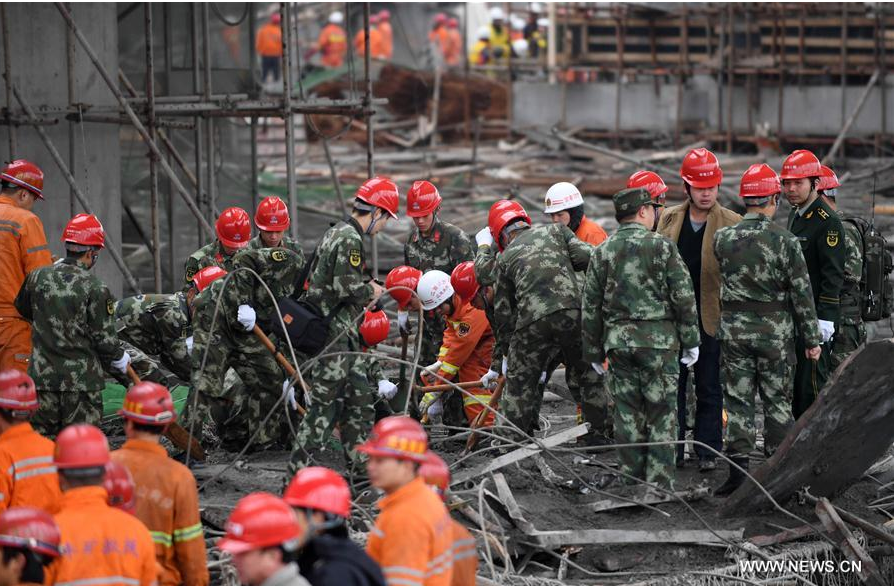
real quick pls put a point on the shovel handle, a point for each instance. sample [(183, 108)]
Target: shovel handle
[(282, 360), (132, 375)]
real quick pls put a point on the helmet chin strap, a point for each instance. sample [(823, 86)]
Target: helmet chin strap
[(373, 221)]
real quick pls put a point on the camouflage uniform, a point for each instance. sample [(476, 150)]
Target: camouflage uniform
[(638, 311), (73, 336), (287, 242), (339, 392), (156, 325), (538, 300), (851, 331), (209, 255), (765, 293)]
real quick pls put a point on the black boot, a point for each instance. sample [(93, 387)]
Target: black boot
[(736, 477)]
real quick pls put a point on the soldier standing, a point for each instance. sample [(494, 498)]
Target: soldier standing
[(73, 330), (272, 221), (233, 229), (656, 187), (765, 293), (639, 311), (821, 235)]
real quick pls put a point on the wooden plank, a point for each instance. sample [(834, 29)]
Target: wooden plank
[(782, 537), (508, 500), (554, 539), (869, 572), (610, 504)]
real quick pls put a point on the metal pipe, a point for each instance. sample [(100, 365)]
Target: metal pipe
[(209, 124), (7, 75), (70, 64), (197, 135), (169, 200), (370, 136), (253, 67), (287, 116), (153, 160)]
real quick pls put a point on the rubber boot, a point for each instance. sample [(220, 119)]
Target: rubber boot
[(736, 477)]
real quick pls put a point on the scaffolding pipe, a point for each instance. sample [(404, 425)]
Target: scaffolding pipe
[(201, 200), (7, 75), (153, 160), (370, 136), (253, 68), (70, 65), (209, 123), (60, 162), (135, 120), (287, 116), (169, 200)]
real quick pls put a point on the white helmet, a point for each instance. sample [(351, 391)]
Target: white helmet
[(496, 13), (562, 196), (536, 7), (543, 22), (336, 17), (433, 289), (483, 33), (516, 22), (520, 46)]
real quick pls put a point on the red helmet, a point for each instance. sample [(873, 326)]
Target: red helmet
[(86, 230), (81, 446), (320, 489), (261, 520), (651, 182), (272, 215), (452, 23), (441, 18), (503, 212), (374, 328), (25, 174), (118, 482), (384, 14), (206, 276), (422, 199), (276, 18), (463, 280), (233, 228), (380, 192), (17, 392), (149, 403), (700, 169), (402, 276), (435, 473), (398, 437), (29, 528), (828, 179), (759, 181), (801, 164)]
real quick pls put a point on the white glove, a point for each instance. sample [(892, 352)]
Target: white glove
[(690, 356), (387, 389), (489, 379), (503, 368), (435, 408), (484, 237), (403, 321), (433, 368), (121, 364), (597, 366), (542, 377), (247, 317), (189, 344), (827, 329), (288, 393)]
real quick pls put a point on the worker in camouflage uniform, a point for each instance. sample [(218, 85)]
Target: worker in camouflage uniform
[(338, 287), (272, 221), (233, 229), (851, 331), (73, 331), (765, 293), (821, 235), (638, 311), (538, 300)]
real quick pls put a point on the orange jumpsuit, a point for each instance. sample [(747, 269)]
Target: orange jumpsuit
[(465, 557), (455, 47), (168, 504), (100, 545), (27, 473), (387, 39), (333, 45), (413, 538), (269, 40), (467, 350), (440, 37), (590, 232), (376, 47), (23, 248)]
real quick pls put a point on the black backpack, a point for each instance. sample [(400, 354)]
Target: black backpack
[(876, 292)]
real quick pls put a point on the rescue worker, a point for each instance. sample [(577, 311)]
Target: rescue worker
[(657, 189), (535, 36), (406, 279), (692, 225), (499, 36), (466, 351), (481, 53), (99, 544), (120, 486), (639, 311), (268, 44), (322, 500), (413, 538), (565, 205), (465, 559), (765, 294), (438, 37), (23, 248), (27, 475), (455, 43), (851, 331), (263, 536), (387, 34), (333, 42), (73, 330), (338, 287), (821, 235), (376, 43), (272, 221), (29, 541), (233, 229), (167, 499)]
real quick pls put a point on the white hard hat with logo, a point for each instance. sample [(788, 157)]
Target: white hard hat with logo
[(434, 288), (562, 196)]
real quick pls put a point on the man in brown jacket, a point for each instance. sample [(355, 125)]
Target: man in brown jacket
[(692, 226)]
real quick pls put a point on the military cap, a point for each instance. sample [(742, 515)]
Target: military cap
[(630, 200)]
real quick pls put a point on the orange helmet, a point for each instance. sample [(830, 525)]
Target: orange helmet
[(380, 192), (17, 391), (501, 214), (81, 446), (398, 437), (206, 276), (828, 179), (422, 199), (374, 328), (651, 182), (261, 520), (320, 489), (701, 169), (801, 164), (150, 404), (29, 528), (435, 473), (233, 228), (24, 174), (118, 482), (86, 230), (402, 276), (463, 280), (759, 181), (272, 215)]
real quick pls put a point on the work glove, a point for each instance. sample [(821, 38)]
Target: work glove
[(542, 377), (435, 409), (288, 393), (827, 329), (247, 317), (690, 357), (484, 237), (597, 366), (403, 322), (387, 389), (489, 380), (121, 364), (189, 344), (503, 368)]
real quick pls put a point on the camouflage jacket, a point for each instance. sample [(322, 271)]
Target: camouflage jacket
[(445, 247), (486, 265), (278, 267), (209, 255), (851, 297), (158, 325), (287, 242), (762, 263), (536, 276), (73, 327), (637, 294)]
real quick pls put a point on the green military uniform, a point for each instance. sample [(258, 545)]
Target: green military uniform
[(638, 311), (821, 235), (73, 338), (851, 331), (339, 394), (156, 325), (209, 255), (287, 242), (765, 293)]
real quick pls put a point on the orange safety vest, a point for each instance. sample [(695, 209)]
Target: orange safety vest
[(455, 47), (376, 49), (27, 473), (465, 557), (269, 41), (333, 45), (590, 232), (23, 248), (387, 39)]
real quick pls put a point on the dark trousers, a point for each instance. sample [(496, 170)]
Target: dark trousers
[(709, 399), (270, 65)]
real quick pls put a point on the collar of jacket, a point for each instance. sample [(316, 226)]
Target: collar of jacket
[(404, 492), (818, 202), (755, 216), (433, 234), (75, 498), (351, 221), (17, 430), (283, 576), (7, 200), (145, 446), (627, 226)]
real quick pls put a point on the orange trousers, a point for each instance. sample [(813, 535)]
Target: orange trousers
[(15, 343), (474, 402)]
